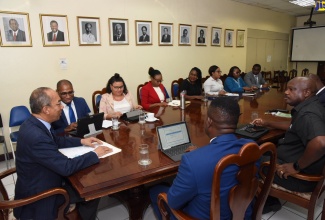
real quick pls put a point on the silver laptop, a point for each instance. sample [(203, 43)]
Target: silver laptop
[(174, 139)]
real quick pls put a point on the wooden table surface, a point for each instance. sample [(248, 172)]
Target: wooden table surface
[(121, 171)]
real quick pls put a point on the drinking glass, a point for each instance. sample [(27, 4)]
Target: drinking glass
[(142, 118), (115, 123), (144, 155)]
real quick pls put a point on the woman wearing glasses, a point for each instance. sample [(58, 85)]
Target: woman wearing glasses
[(213, 85), (234, 83), (154, 93), (117, 100), (193, 84)]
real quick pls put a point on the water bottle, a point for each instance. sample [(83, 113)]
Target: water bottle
[(182, 104)]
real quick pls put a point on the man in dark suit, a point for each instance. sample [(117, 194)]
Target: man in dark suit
[(40, 165), (55, 34), (320, 88), (15, 34), (255, 78), (144, 37), (191, 189), (118, 36), (69, 117), (201, 38), (166, 37)]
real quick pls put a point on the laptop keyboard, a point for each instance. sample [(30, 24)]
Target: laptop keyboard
[(177, 150)]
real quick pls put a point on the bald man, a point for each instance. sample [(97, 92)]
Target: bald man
[(303, 147)]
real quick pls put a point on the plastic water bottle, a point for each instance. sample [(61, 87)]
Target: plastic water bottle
[(183, 99)]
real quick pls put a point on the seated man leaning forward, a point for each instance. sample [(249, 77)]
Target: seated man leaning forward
[(73, 108), (40, 165), (191, 189), (303, 147)]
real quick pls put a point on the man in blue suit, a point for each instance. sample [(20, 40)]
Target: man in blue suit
[(40, 165), (191, 189), (69, 117)]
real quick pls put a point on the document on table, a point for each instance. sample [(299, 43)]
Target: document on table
[(72, 152)]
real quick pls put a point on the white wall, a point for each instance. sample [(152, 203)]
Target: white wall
[(26, 68)]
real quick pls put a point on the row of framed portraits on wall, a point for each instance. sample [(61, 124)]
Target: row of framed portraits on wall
[(15, 32)]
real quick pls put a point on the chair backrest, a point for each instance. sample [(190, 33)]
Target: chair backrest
[(223, 78), (304, 72), (95, 99), (139, 92), (6, 205), (175, 87), (204, 79), (18, 115), (241, 195), (292, 74), (242, 75)]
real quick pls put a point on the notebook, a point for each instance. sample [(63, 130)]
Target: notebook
[(252, 132), (174, 139), (89, 126), (132, 116)]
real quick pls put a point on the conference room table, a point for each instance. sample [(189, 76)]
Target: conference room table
[(122, 173)]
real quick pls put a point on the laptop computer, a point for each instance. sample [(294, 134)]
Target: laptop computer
[(89, 126), (132, 116), (174, 139), (252, 132)]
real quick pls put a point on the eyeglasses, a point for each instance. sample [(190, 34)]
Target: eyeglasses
[(118, 87), (70, 93), (218, 71)]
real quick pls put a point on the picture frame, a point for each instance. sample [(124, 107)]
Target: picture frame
[(240, 38), (118, 31), (15, 29), (184, 33), (201, 35), (143, 35), (89, 31), (216, 34), (229, 34), (165, 37), (55, 31)]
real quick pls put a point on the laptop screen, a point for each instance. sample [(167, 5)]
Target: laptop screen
[(173, 135)]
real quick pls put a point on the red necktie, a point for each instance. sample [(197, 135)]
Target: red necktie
[(15, 36), (54, 37)]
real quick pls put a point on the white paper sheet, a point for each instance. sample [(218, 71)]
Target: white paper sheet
[(72, 152)]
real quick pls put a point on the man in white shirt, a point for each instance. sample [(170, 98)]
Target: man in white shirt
[(88, 37)]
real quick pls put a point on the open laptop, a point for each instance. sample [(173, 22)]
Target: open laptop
[(132, 116), (89, 126), (252, 132), (174, 139)]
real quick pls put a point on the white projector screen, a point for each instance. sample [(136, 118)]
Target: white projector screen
[(308, 44)]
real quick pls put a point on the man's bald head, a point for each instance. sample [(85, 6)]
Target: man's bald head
[(299, 89)]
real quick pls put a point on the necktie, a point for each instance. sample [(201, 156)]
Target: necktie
[(54, 37), (15, 36), (71, 114), (52, 133), (256, 78)]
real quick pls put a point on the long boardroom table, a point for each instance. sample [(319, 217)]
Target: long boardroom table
[(121, 171)]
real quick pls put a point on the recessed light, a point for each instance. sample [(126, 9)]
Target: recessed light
[(303, 3)]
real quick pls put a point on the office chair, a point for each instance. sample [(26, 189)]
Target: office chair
[(175, 87), (139, 92), (4, 145), (18, 115), (240, 195), (95, 99)]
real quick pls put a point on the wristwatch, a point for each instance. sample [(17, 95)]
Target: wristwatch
[(296, 166)]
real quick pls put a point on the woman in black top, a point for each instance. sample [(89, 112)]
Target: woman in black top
[(193, 84)]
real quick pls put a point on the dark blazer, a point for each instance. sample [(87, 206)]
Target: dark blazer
[(122, 38), (59, 36), (199, 40), (144, 39), (167, 39), (40, 166), (82, 110), (321, 97), (20, 35)]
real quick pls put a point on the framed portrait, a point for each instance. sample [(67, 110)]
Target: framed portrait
[(55, 30), (185, 31), (88, 31), (118, 31), (216, 36), (165, 37), (15, 29), (229, 34), (201, 35), (240, 38), (143, 33)]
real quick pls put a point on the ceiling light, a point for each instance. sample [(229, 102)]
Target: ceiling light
[(303, 3)]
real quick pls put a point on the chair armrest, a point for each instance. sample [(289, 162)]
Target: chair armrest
[(8, 172), (163, 202), (301, 176)]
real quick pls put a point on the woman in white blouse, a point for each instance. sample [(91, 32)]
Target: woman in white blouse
[(213, 85), (117, 100)]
